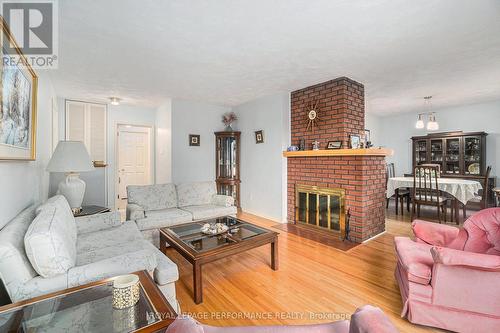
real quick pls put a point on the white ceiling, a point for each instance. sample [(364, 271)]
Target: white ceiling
[(231, 51)]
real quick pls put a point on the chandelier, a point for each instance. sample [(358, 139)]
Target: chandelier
[(432, 124)]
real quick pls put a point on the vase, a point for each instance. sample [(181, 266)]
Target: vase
[(228, 128)]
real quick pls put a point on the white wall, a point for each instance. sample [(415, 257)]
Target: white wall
[(164, 143), (372, 123), (395, 131), (194, 163), (263, 168), (23, 183)]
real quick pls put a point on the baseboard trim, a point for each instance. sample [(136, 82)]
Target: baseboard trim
[(373, 237), (273, 219)]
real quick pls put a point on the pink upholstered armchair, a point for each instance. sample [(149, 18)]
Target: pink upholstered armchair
[(367, 319), (450, 277)]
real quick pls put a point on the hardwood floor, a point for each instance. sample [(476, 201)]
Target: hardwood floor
[(315, 283)]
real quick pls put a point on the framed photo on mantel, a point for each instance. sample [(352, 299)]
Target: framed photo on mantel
[(355, 141), (334, 145), (18, 102)]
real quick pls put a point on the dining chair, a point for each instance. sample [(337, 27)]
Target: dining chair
[(496, 193), (400, 193), (483, 198), (426, 191)]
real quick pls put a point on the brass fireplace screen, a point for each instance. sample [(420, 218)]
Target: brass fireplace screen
[(321, 207)]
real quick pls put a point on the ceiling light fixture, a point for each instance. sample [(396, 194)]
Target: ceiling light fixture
[(420, 122), (115, 100), (432, 124)]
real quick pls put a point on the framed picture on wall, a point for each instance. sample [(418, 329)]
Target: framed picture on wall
[(194, 139), (259, 137), (18, 107)]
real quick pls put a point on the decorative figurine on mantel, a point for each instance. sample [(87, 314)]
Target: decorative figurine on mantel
[(315, 145), (302, 144), (227, 119)]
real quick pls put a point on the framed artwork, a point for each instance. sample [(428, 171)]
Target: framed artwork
[(194, 140), (355, 141), (367, 137), (334, 145), (259, 137), (18, 103)]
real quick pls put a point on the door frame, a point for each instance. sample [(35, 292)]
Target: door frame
[(152, 156)]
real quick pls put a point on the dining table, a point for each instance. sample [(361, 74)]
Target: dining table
[(462, 190)]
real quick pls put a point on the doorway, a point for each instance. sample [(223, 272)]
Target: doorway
[(134, 160)]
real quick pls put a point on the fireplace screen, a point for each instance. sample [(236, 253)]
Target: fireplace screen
[(321, 207)]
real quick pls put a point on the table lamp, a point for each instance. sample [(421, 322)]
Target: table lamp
[(72, 158)]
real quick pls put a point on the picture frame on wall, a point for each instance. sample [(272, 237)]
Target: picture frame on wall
[(194, 140), (355, 141), (334, 145), (259, 136), (18, 117)]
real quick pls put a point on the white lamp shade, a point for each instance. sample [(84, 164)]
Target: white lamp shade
[(70, 156)]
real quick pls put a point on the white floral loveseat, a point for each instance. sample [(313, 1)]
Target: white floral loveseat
[(156, 206), (45, 249)]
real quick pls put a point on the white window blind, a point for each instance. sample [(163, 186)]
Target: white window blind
[(87, 122)]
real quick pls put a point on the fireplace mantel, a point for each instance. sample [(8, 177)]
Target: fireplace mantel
[(340, 152)]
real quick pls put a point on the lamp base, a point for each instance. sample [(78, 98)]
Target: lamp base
[(73, 189)]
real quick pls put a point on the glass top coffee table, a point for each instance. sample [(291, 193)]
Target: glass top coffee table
[(89, 309), (199, 248)]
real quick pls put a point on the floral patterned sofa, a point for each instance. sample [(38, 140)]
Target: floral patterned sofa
[(156, 206), (45, 249)]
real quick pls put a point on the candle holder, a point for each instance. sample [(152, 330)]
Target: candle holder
[(125, 291)]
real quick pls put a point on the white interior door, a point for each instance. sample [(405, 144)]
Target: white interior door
[(134, 159)]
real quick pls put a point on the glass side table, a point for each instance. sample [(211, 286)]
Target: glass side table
[(89, 308)]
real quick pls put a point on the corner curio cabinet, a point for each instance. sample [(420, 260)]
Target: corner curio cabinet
[(227, 168)]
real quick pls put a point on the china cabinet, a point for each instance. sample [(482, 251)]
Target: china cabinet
[(459, 154), (227, 168)]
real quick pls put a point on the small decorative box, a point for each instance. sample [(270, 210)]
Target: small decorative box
[(125, 291)]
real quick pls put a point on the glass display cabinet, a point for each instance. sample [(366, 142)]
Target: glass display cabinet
[(227, 160), (459, 154), (420, 151)]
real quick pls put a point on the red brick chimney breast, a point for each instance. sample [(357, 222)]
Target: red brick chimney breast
[(341, 112)]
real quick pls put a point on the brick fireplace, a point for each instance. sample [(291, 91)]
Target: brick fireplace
[(361, 172)]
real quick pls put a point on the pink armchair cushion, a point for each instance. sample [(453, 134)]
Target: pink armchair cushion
[(335, 327), (367, 319), (415, 258), (483, 229), (184, 324), (439, 234), (452, 257), (187, 324), (370, 319)]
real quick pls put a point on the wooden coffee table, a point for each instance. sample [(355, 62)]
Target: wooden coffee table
[(200, 249)]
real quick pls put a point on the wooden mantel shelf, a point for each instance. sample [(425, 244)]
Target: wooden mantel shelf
[(340, 152)]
